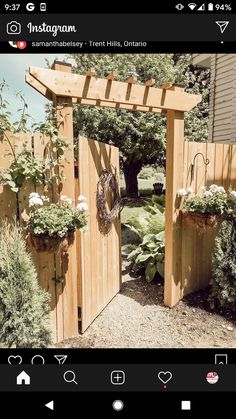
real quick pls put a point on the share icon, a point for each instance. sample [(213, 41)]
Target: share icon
[(61, 358), (222, 25)]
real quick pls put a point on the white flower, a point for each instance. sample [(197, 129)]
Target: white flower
[(207, 194), (182, 192), (213, 188), (82, 198), (34, 195), (69, 201), (233, 193), (189, 191), (44, 198), (203, 189), (82, 206), (63, 198), (35, 200), (221, 189)]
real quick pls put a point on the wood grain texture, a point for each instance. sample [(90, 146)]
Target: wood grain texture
[(100, 250), (173, 226), (77, 86), (66, 266)]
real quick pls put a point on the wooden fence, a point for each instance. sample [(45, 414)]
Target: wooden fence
[(192, 252), (91, 273)]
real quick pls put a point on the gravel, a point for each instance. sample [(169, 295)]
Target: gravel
[(137, 318)]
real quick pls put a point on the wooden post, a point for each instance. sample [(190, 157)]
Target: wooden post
[(67, 320), (174, 181)]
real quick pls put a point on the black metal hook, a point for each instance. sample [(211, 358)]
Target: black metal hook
[(205, 161)]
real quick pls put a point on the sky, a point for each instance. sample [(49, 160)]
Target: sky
[(13, 68)]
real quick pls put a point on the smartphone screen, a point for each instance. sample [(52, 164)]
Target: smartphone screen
[(117, 208)]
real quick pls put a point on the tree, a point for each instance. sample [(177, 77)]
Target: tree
[(140, 136), (24, 308)]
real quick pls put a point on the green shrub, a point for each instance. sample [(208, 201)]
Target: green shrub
[(147, 172), (152, 221), (223, 292), (150, 172), (159, 177), (159, 200), (24, 308), (149, 256), (145, 192)]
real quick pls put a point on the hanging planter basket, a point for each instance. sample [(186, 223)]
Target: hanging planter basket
[(201, 220), (52, 244)]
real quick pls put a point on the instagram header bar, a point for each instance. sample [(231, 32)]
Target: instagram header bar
[(120, 27)]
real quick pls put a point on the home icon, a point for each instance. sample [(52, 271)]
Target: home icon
[(23, 379)]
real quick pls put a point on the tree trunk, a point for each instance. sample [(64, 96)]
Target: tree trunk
[(131, 170)]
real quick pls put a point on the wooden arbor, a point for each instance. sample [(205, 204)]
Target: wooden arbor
[(66, 89)]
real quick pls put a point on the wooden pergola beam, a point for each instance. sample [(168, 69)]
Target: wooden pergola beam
[(166, 86), (39, 87), (113, 75), (131, 80), (91, 72), (114, 105), (150, 82), (31, 81), (82, 87)]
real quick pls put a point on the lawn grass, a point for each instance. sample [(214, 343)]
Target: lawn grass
[(145, 186)]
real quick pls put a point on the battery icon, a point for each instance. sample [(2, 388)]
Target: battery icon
[(210, 7)]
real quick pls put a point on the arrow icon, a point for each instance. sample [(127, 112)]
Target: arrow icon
[(61, 358), (222, 25), (50, 405)]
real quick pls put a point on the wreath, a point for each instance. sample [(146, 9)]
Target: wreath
[(108, 183)]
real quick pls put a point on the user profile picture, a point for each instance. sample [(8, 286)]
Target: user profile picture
[(212, 377)]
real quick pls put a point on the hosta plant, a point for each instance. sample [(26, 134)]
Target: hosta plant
[(149, 256)]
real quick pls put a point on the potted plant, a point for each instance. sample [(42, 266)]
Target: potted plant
[(206, 210), (52, 226)]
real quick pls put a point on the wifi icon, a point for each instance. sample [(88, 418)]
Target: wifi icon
[(192, 5)]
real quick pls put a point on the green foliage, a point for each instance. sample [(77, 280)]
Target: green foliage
[(213, 201), (56, 220), (223, 282), (152, 221), (141, 136), (159, 201), (24, 308), (152, 172), (149, 256), (146, 192), (20, 124), (24, 166)]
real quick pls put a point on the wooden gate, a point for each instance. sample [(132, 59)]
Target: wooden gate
[(99, 273)]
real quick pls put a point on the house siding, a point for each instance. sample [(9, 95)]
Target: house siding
[(222, 110)]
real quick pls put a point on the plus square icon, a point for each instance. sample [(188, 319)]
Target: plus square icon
[(117, 377)]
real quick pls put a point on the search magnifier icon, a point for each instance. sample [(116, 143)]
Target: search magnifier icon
[(69, 377)]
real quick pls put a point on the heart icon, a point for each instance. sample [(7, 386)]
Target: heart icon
[(164, 376), (14, 359)]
